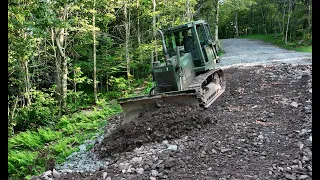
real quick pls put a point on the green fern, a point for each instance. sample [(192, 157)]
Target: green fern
[(28, 139), (69, 129), (19, 160), (64, 121), (61, 145), (11, 168), (48, 135), (64, 138), (82, 118)]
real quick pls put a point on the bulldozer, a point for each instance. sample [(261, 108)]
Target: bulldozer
[(186, 76)]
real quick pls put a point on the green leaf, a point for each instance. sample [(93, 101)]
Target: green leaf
[(20, 18), (28, 177)]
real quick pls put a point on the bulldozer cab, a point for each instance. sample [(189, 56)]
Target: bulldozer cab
[(194, 38), (183, 39)]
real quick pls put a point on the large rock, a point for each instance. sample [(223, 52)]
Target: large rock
[(140, 170), (136, 160), (294, 104), (290, 176), (83, 148), (154, 172), (55, 174), (172, 147)]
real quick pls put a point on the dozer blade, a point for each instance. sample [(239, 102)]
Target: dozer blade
[(133, 106)]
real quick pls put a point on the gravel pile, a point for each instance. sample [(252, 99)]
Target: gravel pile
[(86, 159)]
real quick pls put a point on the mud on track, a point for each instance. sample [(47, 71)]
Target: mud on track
[(260, 128)]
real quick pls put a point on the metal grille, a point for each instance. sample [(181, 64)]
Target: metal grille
[(166, 80)]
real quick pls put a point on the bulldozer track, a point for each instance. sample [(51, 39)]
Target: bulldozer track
[(197, 85)]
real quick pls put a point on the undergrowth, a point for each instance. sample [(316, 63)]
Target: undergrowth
[(33, 152)]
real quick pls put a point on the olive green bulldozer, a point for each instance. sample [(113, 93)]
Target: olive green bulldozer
[(187, 76)]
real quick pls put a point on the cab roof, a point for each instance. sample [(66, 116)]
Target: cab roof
[(183, 26)]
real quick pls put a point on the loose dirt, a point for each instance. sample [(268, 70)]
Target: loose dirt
[(167, 122)]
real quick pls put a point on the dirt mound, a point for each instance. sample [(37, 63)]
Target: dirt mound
[(169, 121)]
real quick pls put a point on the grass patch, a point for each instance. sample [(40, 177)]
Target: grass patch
[(270, 38), (304, 49)]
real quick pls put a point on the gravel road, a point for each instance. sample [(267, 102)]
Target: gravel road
[(246, 52), (260, 128)]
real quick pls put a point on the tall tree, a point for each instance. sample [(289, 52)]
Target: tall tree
[(94, 53), (127, 31), (290, 4), (61, 41), (154, 54), (216, 32)]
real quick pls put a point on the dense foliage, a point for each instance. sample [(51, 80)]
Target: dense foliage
[(66, 55)]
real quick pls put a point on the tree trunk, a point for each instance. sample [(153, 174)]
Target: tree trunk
[(154, 53), (277, 20), (126, 24), (26, 77), (94, 55), (216, 30), (310, 18), (138, 32), (65, 60), (283, 17), (58, 78), (61, 37), (288, 21), (64, 73), (64, 82), (251, 20), (27, 82), (188, 11), (236, 23), (57, 67)]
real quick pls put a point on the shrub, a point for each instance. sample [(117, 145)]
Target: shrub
[(113, 95), (121, 85), (76, 100), (42, 111)]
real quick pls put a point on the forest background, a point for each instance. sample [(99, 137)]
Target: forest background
[(68, 60)]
